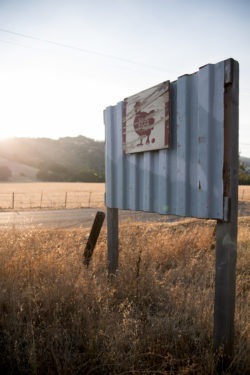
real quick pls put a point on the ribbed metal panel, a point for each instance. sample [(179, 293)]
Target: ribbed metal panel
[(186, 179)]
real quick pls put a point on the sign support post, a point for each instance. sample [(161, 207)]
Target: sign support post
[(226, 229), (112, 239)]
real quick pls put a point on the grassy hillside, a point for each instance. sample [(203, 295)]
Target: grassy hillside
[(65, 159), (19, 172)]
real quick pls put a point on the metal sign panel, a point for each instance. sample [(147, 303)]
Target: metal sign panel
[(146, 119), (187, 178), (197, 177)]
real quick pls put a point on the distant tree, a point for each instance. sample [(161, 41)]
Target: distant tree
[(85, 175), (54, 173), (244, 176), (5, 173), (43, 175)]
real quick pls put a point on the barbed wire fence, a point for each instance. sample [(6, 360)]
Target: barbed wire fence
[(57, 200), (244, 193), (68, 199)]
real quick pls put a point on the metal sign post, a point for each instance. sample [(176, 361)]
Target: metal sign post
[(226, 230), (113, 251)]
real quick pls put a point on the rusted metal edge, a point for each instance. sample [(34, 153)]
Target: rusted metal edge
[(228, 71)]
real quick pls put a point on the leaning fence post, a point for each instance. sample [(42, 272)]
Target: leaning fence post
[(94, 234), (65, 200)]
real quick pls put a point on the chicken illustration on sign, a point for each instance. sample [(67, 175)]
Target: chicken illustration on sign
[(143, 123), (146, 120)]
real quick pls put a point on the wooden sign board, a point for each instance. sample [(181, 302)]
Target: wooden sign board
[(146, 120)]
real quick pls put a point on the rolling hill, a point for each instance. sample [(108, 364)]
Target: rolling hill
[(19, 172), (66, 159)]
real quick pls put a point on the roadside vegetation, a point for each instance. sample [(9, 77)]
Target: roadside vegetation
[(154, 317), (244, 174)]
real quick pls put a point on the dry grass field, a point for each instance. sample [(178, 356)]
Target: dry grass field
[(61, 195), (244, 193), (154, 317), (51, 195)]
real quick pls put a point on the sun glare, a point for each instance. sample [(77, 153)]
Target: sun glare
[(7, 133)]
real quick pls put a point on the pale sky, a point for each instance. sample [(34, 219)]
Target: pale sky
[(63, 62)]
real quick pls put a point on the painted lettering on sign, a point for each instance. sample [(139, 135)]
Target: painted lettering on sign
[(146, 120)]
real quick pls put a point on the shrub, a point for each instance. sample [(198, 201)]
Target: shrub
[(5, 173)]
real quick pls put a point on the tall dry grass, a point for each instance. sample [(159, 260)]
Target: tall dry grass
[(155, 317)]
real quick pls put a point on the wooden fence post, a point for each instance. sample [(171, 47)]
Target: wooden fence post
[(112, 239), (94, 234), (226, 230), (13, 201), (41, 200), (242, 197), (65, 200), (89, 199)]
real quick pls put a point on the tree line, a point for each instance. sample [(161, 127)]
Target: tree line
[(58, 173)]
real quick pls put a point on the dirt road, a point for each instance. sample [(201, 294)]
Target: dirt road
[(82, 217), (69, 218), (47, 218)]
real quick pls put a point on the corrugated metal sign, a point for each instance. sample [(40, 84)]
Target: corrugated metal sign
[(146, 119), (187, 178)]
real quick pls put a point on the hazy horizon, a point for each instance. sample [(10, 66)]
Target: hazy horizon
[(62, 63)]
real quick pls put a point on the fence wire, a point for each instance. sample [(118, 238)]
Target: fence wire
[(19, 200), (69, 199), (244, 193)]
